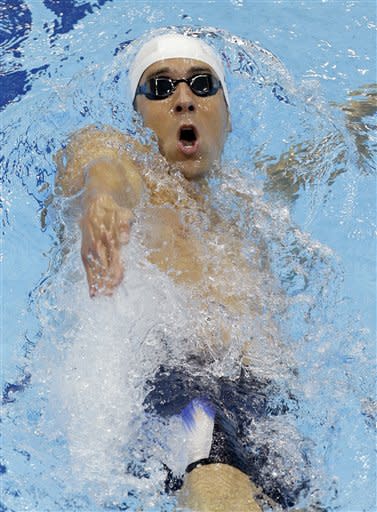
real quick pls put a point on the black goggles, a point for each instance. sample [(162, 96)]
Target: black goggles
[(161, 87)]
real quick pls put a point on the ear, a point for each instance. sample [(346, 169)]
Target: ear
[(228, 123), (228, 116)]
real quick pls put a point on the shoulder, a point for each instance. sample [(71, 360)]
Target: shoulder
[(94, 142), (91, 144)]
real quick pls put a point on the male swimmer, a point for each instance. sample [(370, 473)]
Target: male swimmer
[(178, 86)]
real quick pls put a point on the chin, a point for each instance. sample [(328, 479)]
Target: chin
[(192, 169)]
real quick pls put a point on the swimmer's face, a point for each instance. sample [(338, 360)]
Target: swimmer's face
[(191, 129)]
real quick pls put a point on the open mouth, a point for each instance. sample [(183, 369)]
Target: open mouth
[(188, 139), (187, 136)]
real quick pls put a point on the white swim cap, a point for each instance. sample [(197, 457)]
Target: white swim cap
[(172, 46)]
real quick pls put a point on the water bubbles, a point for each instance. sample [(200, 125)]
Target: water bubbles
[(93, 362)]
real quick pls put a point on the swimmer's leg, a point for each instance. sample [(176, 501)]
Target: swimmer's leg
[(218, 488), (211, 487)]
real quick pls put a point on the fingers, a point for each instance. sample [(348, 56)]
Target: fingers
[(102, 263), (103, 279), (105, 226), (125, 222)]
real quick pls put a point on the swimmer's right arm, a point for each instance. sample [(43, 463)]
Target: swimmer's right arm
[(98, 164)]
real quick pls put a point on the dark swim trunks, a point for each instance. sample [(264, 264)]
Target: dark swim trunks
[(238, 403)]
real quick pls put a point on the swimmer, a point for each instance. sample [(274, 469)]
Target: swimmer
[(178, 87)]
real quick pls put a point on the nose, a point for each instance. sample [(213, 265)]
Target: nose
[(184, 100)]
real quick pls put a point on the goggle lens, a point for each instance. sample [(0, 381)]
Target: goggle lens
[(161, 87), (201, 85)]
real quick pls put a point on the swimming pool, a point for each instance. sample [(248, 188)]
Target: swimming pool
[(68, 424)]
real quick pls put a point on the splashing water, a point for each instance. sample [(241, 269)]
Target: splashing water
[(78, 433)]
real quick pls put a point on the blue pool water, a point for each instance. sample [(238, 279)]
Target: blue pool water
[(302, 152)]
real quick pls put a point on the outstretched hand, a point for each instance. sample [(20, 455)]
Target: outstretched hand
[(105, 226)]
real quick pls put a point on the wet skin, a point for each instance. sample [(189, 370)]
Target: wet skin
[(208, 259), (208, 116), (114, 182)]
